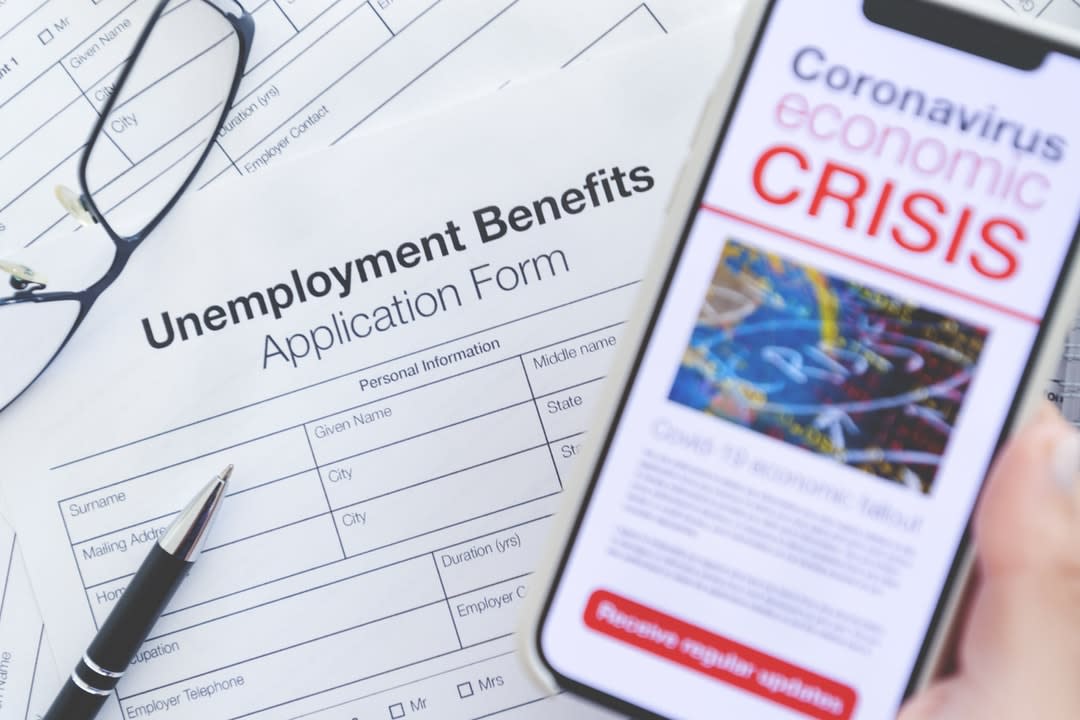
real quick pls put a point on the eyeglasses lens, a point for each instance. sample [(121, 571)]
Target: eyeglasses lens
[(164, 115), (30, 335)]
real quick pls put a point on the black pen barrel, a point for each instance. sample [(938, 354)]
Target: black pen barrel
[(124, 631), (142, 602), (74, 702), (137, 610)]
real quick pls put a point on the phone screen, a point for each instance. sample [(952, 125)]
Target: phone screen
[(794, 464)]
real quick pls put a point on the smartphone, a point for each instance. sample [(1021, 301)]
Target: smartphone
[(868, 279)]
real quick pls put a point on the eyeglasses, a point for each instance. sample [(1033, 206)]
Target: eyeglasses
[(155, 130)]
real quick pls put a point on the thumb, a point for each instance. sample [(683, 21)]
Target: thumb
[(1028, 523), (1024, 634)]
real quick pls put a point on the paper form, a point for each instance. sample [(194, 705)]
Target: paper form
[(28, 679), (393, 489), (319, 69), (1066, 12)]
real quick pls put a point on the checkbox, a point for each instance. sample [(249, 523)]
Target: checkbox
[(45, 36), (397, 710), (464, 689)]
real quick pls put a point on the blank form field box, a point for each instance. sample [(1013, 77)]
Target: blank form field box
[(1066, 12), (1035, 8), (464, 690), (397, 710), (447, 500), (489, 613), (398, 14), (493, 558), (639, 25), (45, 36)]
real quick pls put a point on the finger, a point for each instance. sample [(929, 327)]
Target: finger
[(1022, 643), (1028, 519)]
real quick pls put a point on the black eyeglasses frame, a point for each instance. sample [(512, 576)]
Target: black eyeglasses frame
[(244, 27)]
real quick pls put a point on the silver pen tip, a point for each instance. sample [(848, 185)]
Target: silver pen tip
[(186, 536)]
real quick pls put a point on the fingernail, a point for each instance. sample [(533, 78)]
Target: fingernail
[(1066, 458)]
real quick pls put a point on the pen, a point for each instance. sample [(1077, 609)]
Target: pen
[(130, 621)]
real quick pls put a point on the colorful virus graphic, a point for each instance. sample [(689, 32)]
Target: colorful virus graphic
[(828, 365)]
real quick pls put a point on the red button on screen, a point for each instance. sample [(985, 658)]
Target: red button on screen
[(726, 660)]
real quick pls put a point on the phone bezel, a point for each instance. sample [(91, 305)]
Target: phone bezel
[(928, 657)]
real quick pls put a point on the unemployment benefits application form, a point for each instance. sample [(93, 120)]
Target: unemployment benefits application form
[(397, 344), (319, 70)]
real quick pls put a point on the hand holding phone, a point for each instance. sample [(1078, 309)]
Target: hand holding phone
[(870, 271), (1019, 644)]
